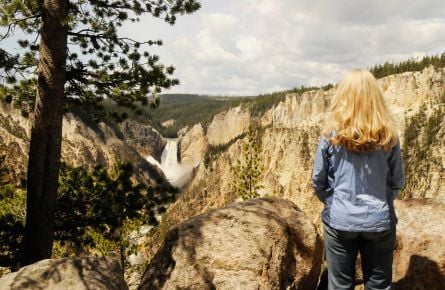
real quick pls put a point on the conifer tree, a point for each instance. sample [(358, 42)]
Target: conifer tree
[(96, 210), (73, 53), (247, 170)]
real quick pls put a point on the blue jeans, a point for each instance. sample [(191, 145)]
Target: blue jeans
[(376, 251)]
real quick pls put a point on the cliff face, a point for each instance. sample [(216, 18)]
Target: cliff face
[(84, 143), (192, 145), (227, 125), (289, 134), (146, 140), (14, 141)]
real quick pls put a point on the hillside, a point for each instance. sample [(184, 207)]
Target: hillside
[(176, 111), (85, 143)]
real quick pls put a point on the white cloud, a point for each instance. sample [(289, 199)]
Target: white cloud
[(250, 47), (209, 50), (256, 46), (268, 8), (218, 21)]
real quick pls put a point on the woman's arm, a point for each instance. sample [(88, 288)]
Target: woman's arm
[(320, 172), (396, 179)]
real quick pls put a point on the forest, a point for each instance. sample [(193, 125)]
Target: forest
[(412, 64)]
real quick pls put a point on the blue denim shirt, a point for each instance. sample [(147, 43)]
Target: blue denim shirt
[(357, 188)]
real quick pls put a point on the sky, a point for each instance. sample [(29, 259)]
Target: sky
[(248, 47)]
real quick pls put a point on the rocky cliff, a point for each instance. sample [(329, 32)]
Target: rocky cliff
[(289, 133), (84, 143)]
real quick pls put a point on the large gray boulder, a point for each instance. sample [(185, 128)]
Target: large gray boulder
[(67, 274), (255, 244)]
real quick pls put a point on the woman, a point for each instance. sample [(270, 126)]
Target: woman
[(358, 172)]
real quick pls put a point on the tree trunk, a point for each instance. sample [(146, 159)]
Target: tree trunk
[(46, 134)]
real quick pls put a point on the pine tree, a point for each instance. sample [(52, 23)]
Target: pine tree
[(247, 170), (96, 211), (412, 64), (110, 66)]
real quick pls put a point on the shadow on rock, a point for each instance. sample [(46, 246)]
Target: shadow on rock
[(422, 273), (85, 273), (256, 244)]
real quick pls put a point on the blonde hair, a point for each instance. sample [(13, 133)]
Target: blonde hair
[(358, 118)]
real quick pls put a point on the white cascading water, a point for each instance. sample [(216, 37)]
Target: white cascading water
[(175, 172)]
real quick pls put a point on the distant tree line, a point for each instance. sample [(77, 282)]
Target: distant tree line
[(412, 64), (260, 104), (188, 109)]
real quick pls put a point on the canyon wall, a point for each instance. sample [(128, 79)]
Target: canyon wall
[(289, 133), (84, 143)]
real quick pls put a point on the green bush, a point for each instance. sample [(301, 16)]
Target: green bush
[(95, 212)]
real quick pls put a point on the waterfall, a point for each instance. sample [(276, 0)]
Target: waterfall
[(175, 172), (169, 157)]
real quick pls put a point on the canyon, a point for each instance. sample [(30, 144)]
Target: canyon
[(289, 133), (288, 136), (201, 160)]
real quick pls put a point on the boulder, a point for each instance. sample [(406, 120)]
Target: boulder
[(68, 274), (419, 258), (261, 243)]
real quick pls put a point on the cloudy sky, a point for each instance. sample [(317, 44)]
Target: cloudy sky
[(246, 47)]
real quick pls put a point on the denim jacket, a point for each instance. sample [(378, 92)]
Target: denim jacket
[(357, 188)]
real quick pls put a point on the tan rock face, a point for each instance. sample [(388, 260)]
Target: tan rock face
[(287, 156), (89, 145), (64, 274), (409, 90), (83, 144), (256, 244), (14, 141), (404, 94), (193, 145), (146, 140), (419, 258), (227, 125), (168, 123), (426, 174), (298, 110), (292, 129)]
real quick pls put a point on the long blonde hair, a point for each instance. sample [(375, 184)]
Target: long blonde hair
[(358, 118)]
